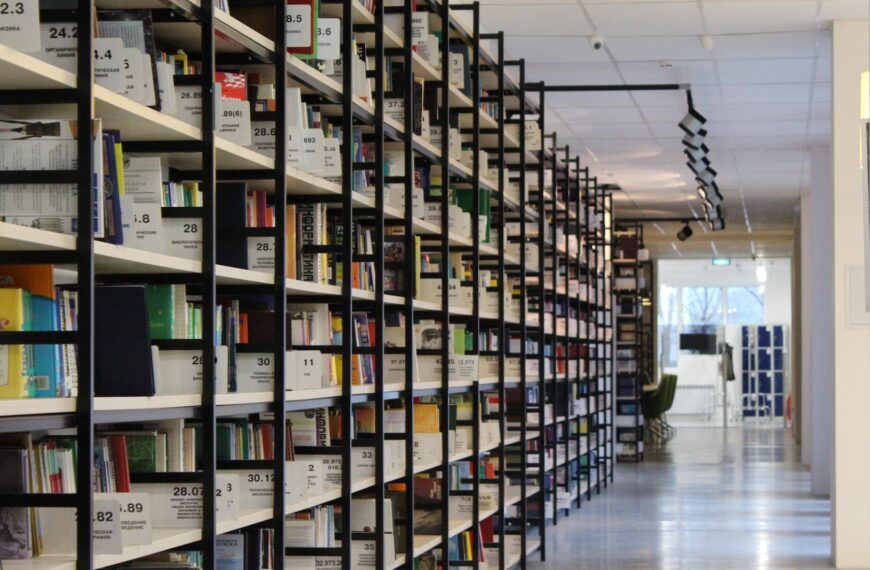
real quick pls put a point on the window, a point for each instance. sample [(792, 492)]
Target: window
[(745, 306), (702, 308)]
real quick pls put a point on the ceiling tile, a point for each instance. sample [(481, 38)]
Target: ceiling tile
[(544, 20), (765, 45), (551, 49), (657, 48), (646, 18), (759, 112), (574, 73), (694, 72), (592, 132), (606, 115), (589, 99), (736, 71), (766, 93), (759, 16), (821, 111), (664, 113)]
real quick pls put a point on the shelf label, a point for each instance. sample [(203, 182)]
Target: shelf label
[(312, 147), (255, 371), (258, 485), (331, 158), (300, 27), (181, 371), (261, 254), (107, 526), (109, 64), (182, 237), (135, 510), (294, 146), (188, 100), (305, 370), (329, 39), (59, 44), (234, 121), (134, 82), (394, 108), (19, 25), (263, 137), (179, 505), (166, 87), (304, 479)]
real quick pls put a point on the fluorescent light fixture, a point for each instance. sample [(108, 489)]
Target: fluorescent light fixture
[(685, 233), (695, 141), (693, 122), (721, 261), (761, 274)]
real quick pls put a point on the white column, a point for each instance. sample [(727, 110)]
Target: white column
[(851, 491), (817, 243)]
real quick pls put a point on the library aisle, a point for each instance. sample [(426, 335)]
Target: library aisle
[(713, 498)]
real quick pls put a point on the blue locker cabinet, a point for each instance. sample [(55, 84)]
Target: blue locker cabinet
[(764, 357)]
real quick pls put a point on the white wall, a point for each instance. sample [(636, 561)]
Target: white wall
[(851, 492)]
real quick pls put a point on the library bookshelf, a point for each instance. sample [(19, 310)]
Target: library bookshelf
[(496, 325)]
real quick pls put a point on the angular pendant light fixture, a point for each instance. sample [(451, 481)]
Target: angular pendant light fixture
[(693, 122)]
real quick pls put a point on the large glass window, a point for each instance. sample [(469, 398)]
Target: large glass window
[(745, 305), (702, 308)]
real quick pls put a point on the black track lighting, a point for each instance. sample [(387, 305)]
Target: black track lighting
[(695, 141), (693, 122), (710, 195), (707, 177), (698, 167), (697, 154), (685, 233)]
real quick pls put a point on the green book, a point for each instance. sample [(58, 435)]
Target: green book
[(142, 452), (161, 314)]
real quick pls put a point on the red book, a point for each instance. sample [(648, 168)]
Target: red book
[(268, 441), (260, 201), (233, 85), (118, 444)]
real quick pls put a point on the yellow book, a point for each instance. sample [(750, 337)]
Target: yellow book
[(426, 418), (13, 371)]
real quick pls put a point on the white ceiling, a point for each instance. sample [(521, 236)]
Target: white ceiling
[(764, 87)]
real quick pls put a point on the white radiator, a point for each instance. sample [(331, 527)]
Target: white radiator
[(692, 399)]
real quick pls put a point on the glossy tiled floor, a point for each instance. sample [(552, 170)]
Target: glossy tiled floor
[(710, 499)]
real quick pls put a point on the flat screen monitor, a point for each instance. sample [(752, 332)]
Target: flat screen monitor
[(698, 343)]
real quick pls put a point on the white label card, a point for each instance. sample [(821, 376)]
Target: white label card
[(307, 369), (263, 137), (331, 158), (312, 147), (394, 108), (59, 44), (19, 25), (135, 509), (134, 83), (166, 87), (235, 121), (329, 38), (149, 96), (107, 526), (188, 100), (261, 254), (298, 26), (294, 146), (109, 64), (143, 223), (254, 371), (182, 237)]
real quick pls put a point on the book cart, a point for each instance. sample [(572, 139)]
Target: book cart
[(445, 413)]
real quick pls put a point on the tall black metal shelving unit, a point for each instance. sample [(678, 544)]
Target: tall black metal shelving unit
[(552, 282)]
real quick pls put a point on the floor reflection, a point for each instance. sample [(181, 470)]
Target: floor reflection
[(711, 499)]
